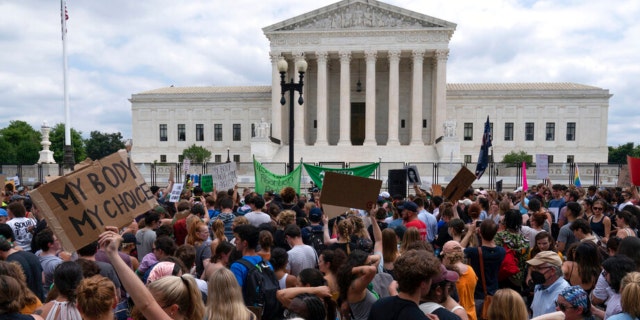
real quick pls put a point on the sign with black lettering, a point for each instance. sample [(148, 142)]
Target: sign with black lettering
[(107, 192)]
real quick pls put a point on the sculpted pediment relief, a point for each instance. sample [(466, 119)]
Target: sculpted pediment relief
[(357, 15)]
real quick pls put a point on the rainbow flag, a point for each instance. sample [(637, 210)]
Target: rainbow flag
[(576, 177)]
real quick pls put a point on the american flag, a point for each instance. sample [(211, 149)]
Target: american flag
[(483, 158)]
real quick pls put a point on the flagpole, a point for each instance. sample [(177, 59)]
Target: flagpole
[(68, 149)]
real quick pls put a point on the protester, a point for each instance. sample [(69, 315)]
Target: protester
[(507, 304)]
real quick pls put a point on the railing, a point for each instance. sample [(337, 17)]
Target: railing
[(598, 174)]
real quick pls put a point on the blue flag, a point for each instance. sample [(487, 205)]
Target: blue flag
[(483, 158)]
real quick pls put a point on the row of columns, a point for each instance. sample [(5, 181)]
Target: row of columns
[(438, 115)]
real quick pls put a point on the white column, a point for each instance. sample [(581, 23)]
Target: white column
[(321, 139), (416, 98), (394, 97), (345, 97), (439, 107), (370, 99), (276, 107), (299, 110)]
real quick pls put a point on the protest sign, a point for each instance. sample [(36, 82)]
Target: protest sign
[(634, 170), (317, 173), (224, 176), (107, 192), (186, 164), (269, 181), (624, 176), (176, 191), (542, 166), (460, 183), (412, 175), (206, 182), (15, 180), (341, 192), (436, 190)]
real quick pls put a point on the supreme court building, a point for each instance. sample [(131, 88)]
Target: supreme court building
[(375, 89)]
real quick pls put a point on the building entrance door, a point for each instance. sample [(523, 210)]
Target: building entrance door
[(357, 123)]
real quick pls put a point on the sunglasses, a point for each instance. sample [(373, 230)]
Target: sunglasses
[(598, 208), (564, 307)]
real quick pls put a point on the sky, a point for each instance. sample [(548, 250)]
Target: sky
[(117, 48)]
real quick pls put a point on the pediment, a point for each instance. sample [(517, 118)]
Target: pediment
[(359, 15)]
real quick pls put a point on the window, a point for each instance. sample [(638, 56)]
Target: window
[(199, 132), (236, 158), (218, 158), (468, 131), (402, 123), (163, 158), (571, 131), (163, 132), (528, 131), (253, 130), (182, 134), (467, 158), (217, 132), (180, 158), (550, 158), (570, 158), (236, 132), (315, 124), (508, 131), (424, 123), (490, 130), (551, 131)]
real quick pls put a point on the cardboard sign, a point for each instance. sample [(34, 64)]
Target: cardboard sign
[(624, 176), (224, 176), (186, 164), (460, 183), (176, 191), (542, 166), (108, 192), (412, 175), (206, 182), (15, 180), (3, 180), (436, 190), (341, 192), (48, 179)]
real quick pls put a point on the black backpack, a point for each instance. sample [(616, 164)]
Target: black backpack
[(260, 288), (316, 240)]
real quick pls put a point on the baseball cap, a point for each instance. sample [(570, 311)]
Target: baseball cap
[(466, 202), (315, 215), (549, 257), (409, 205), (518, 189), (128, 238), (445, 275), (384, 194), (3, 213), (451, 246)]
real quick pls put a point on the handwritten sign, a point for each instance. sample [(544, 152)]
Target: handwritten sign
[(460, 183), (542, 166), (224, 176), (176, 191), (106, 192)]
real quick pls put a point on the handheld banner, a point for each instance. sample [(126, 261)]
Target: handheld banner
[(266, 180), (317, 173)]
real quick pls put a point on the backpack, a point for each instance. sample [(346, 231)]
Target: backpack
[(316, 240), (259, 290)]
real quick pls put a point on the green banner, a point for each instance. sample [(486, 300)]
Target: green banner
[(268, 181), (206, 182), (317, 173)]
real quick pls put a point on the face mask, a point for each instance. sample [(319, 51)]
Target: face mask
[(537, 277)]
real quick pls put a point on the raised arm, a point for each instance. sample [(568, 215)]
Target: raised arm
[(377, 233), (286, 295)]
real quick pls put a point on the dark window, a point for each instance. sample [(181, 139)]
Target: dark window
[(237, 136), (424, 123), (570, 158), (180, 158), (200, 132), (571, 131), (402, 123), (550, 132), (550, 158), (163, 158), (218, 158), (468, 131), (182, 134), (315, 124), (528, 131), (467, 158), (163, 132), (508, 131), (236, 158), (490, 129), (217, 132), (253, 130)]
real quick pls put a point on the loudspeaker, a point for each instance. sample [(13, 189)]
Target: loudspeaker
[(397, 182)]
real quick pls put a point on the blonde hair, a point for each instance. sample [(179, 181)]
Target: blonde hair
[(358, 227), (225, 299), (286, 217), (96, 297), (182, 291), (410, 236), (345, 228), (240, 221), (507, 305), (218, 229), (630, 294), (192, 232)]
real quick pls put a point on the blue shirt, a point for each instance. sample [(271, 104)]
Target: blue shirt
[(543, 298), (432, 224), (241, 271)]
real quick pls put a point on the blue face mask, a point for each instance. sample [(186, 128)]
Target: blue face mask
[(160, 194)]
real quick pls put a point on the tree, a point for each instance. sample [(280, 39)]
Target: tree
[(100, 145), (56, 136), (619, 154), (8, 153), (514, 158), (197, 154), (26, 141)]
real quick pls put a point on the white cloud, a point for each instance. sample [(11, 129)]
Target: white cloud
[(118, 48)]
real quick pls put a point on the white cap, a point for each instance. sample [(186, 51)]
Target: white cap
[(385, 194), (519, 189)]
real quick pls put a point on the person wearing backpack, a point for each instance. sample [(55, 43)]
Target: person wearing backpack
[(313, 235), (255, 276)]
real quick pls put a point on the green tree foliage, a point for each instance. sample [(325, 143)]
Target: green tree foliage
[(24, 142), (197, 154), (8, 153), (514, 158), (619, 154), (56, 136), (100, 145)]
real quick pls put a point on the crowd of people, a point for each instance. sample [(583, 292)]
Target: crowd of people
[(551, 252)]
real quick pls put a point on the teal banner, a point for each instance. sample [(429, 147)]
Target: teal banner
[(317, 173)]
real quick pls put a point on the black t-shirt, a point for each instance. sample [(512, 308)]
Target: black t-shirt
[(391, 308), (32, 270), (492, 258), (444, 314)]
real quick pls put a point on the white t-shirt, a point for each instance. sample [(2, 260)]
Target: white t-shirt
[(20, 227), (256, 218)]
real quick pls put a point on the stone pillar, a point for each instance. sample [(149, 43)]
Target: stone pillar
[(345, 99), (394, 97), (439, 107), (321, 137), (276, 107), (299, 111), (370, 99), (416, 98)]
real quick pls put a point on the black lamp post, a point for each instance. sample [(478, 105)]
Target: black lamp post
[(291, 87), (228, 159)]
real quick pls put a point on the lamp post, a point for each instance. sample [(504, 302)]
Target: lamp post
[(291, 87), (228, 159)]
